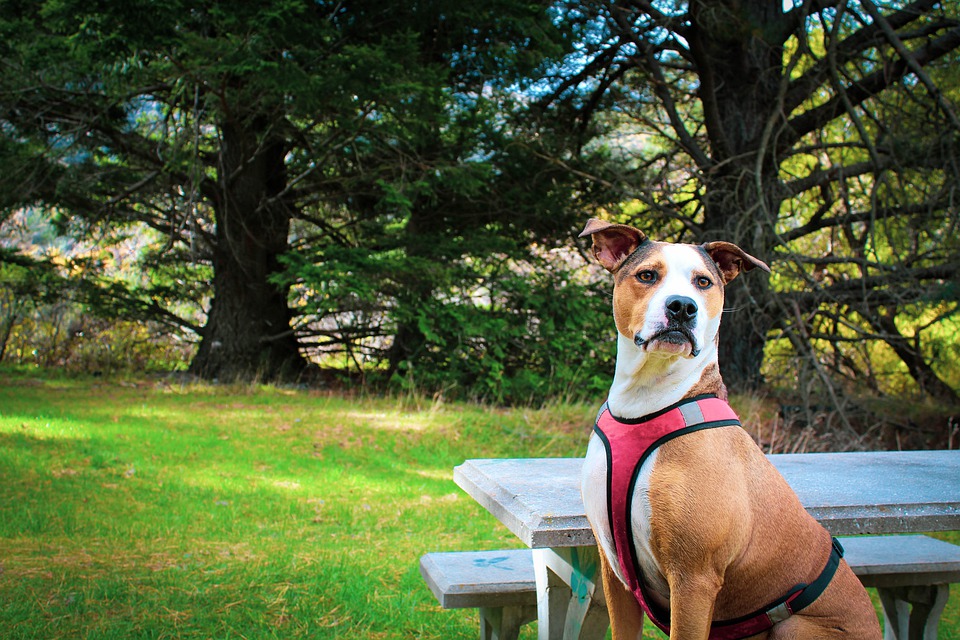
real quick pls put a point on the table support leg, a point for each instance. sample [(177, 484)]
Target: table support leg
[(570, 600), (912, 613), (503, 623)]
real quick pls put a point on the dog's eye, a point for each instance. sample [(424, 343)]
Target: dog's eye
[(647, 276), (703, 282)]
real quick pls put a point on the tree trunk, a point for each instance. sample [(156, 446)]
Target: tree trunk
[(748, 304), (248, 334), (740, 68)]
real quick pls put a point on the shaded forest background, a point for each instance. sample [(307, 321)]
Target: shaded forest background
[(389, 193)]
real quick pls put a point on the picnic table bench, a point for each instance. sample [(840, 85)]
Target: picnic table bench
[(851, 494), (906, 570)]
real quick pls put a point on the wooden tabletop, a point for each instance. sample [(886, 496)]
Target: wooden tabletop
[(538, 499)]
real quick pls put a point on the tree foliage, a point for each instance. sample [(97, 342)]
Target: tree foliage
[(821, 135), (356, 130), (393, 189)]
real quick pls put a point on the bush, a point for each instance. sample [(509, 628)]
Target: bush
[(491, 328), (63, 336), (540, 336)]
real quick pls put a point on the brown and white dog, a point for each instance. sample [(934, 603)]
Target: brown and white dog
[(717, 533)]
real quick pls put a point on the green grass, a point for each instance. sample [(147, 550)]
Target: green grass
[(147, 509)]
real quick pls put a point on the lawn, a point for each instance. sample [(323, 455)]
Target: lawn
[(151, 509)]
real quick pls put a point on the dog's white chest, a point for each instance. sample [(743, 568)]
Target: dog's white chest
[(594, 488)]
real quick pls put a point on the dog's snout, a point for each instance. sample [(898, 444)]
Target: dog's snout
[(681, 309)]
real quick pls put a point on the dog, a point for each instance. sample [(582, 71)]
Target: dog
[(695, 527)]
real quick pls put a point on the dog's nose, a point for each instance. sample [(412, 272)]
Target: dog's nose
[(681, 309)]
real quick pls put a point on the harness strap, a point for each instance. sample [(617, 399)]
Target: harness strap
[(809, 593), (797, 599), (627, 447)]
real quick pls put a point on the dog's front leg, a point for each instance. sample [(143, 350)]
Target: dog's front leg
[(626, 616), (692, 599)]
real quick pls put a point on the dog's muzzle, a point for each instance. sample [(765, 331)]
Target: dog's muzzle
[(681, 314)]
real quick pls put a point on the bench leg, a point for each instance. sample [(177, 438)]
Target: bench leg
[(503, 623), (569, 594), (912, 613)]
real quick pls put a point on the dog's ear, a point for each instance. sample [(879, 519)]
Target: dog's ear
[(612, 243), (731, 259)]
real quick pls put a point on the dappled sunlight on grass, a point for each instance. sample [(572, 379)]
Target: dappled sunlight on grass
[(41, 427), (391, 421)]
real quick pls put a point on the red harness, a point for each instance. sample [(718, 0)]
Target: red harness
[(628, 443)]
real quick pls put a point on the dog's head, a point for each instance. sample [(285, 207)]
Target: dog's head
[(667, 298)]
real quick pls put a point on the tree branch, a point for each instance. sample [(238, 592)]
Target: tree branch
[(662, 90), (866, 88), (914, 66), (852, 45), (880, 213), (880, 290)]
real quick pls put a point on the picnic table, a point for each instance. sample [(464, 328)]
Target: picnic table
[(849, 493)]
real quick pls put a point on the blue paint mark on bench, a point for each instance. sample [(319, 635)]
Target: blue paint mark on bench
[(496, 563)]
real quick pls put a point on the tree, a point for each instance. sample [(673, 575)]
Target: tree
[(441, 274), (221, 126), (820, 135)]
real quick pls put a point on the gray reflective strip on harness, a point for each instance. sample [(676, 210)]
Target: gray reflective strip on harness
[(603, 408), (779, 613), (692, 414)]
